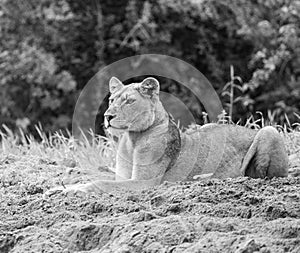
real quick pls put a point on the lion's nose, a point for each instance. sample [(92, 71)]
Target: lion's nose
[(109, 117)]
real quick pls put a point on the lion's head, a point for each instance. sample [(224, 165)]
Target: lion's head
[(132, 107)]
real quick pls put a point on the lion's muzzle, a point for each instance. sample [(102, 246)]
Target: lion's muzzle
[(107, 119)]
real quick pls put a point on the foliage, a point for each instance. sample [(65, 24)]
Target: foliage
[(50, 49), (273, 26)]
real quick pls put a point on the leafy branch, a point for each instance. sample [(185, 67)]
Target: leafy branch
[(232, 86)]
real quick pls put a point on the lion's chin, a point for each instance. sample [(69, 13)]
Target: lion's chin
[(116, 130)]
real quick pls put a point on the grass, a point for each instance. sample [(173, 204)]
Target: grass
[(88, 153), (99, 152)]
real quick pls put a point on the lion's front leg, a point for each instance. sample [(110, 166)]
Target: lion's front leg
[(108, 186), (70, 189), (124, 185)]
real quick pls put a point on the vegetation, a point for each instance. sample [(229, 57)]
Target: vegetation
[(50, 49)]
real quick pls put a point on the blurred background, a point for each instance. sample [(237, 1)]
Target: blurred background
[(50, 49)]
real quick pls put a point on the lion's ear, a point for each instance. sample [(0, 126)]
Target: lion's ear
[(149, 87), (115, 84)]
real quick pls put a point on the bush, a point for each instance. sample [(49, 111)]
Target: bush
[(50, 49)]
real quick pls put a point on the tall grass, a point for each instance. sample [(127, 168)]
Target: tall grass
[(92, 152), (89, 153)]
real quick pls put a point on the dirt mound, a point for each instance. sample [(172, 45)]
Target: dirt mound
[(233, 215)]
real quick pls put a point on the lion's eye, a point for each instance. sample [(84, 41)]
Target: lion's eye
[(130, 100)]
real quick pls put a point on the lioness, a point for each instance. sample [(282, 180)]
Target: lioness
[(151, 148)]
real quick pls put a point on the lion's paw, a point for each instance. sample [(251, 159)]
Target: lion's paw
[(76, 189)]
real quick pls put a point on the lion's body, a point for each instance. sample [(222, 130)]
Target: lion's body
[(151, 149), (224, 151)]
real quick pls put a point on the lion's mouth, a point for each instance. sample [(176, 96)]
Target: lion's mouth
[(107, 125), (118, 128)]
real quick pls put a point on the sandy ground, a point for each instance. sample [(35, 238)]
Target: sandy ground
[(234, 215)]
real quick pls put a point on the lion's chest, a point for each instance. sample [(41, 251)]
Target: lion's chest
[(130, 146), (147, 149), (125, 149)]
